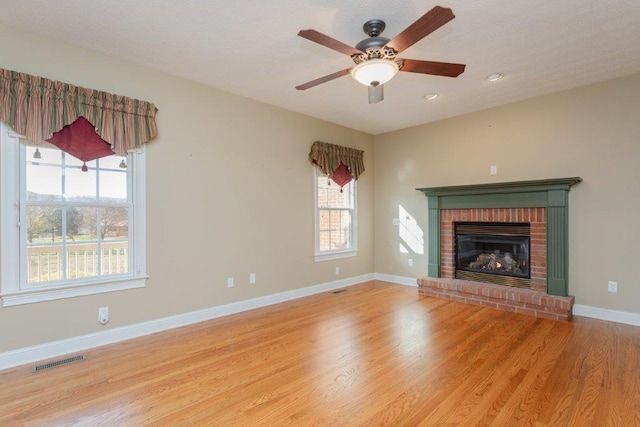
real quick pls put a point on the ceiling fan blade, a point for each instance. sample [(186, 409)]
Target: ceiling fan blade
[(446, 69), (329, 42), (376, 93), (324, 79), (428, 23)]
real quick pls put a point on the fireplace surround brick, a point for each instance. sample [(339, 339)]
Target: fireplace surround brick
[(538, 246)]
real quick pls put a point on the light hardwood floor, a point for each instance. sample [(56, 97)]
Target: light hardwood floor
[(376, 354)]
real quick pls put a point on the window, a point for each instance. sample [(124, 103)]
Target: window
[(66, 232), (335, 218)]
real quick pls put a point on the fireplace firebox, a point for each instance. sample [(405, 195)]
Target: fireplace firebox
[(493, 252)]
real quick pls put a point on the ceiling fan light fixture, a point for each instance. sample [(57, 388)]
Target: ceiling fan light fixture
[(374, 70)]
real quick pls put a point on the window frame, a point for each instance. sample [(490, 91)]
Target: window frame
[(13, 285), (333, 254)]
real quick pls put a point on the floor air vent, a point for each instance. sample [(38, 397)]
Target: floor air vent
[(339, 291), (61, 362)]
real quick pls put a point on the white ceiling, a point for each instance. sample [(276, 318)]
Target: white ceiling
[(251, 48)]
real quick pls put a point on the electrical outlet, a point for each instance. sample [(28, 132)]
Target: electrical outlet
[(612, 287), (337, 270), (494, 170), (252, 278), (410, 262), (230, 282), (103, 315)]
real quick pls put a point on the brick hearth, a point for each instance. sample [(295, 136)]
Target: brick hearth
[(525, 301)]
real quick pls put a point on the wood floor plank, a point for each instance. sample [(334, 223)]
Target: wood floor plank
[(539, 359), (376, 354)]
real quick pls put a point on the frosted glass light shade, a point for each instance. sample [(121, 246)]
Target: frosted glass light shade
[(374, 70)]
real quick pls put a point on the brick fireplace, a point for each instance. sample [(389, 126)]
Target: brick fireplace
[(540, 204)]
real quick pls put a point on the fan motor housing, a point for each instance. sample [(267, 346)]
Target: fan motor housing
[(374, 47), (372, 43)]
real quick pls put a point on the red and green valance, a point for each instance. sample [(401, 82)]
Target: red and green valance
[(337, 161), (37, 108)]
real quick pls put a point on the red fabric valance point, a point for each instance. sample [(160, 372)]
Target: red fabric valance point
[(81, 141), (341, 175)]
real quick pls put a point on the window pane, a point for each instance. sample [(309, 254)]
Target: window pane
[(340, 200), (331, 197), (44, 183), (335, 219), (110, 162), (323, 198), (334, 229), (115, 257), (348, 194), (82, 224), (339, 239), (323, 220), (325, 241), (47, 155), (79, 185), (44, 249), (114, 223), (44, 263), (341, 231), (44, 224), (113, 185), (82, 260)]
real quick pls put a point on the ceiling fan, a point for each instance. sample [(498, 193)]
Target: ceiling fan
[(376, 57)]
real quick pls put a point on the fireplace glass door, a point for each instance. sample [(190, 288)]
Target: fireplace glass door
[(493, 248)]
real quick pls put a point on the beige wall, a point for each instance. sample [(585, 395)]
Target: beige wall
[(229, 193), (592, 132)]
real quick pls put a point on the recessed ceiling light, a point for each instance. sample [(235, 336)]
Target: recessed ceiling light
[(430, 96), (494, 77)]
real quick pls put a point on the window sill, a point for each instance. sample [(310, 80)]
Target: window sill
[(69, 291), (334, 255)]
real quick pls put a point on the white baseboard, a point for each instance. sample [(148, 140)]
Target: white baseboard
[(53, 349), (606, 314), (400, 280)]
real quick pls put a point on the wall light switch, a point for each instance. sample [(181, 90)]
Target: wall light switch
[(612, 287), (410, 262)]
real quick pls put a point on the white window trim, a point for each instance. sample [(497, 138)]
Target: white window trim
[(10, 291), (320, 256)]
